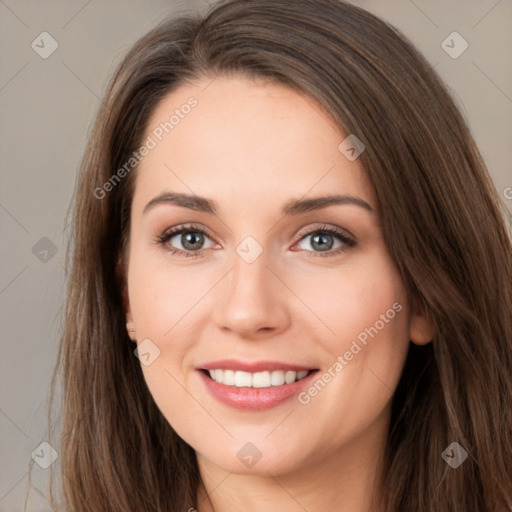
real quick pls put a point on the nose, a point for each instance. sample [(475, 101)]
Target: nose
[(252, 301)]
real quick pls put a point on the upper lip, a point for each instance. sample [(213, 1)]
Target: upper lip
[(252, 367)]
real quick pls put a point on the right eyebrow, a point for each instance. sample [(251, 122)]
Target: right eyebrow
[(193, 202)]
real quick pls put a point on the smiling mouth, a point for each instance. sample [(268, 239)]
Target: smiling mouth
[(265, 379)]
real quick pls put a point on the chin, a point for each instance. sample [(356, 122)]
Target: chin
[(256, 458)]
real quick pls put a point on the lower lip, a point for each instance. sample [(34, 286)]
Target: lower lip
[(255, 399)]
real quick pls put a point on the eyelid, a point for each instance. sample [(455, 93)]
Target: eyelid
[(326, 228), (170, 233), (187, 226), (346, 238)]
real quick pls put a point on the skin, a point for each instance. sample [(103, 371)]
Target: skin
[(251, 146)]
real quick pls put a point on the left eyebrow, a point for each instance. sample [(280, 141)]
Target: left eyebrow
[(308, 205), (291, 208)]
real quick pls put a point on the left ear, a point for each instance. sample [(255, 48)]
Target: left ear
[(422, 328)]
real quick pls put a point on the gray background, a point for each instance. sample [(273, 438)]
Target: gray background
[(46, 109)]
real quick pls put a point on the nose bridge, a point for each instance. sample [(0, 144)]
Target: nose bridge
[(250, 273), (250, 299)]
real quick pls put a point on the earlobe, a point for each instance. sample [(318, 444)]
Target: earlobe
[(130, 327), (422, 329)]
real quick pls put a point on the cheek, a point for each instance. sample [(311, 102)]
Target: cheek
[(182, 409), (164, 304), (359, 296), (165, 298), (366, 308), (167, 309), (364, 314)]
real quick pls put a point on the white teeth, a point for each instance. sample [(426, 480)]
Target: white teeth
[(242, 379), (229, 377), (289, 377), (277, 378), (263, 379)]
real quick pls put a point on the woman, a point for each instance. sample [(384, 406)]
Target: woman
[(290, 279)]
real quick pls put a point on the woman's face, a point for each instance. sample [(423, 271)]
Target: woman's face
[(258, 291)]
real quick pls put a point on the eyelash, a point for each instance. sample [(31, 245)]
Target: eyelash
[(167, 235)]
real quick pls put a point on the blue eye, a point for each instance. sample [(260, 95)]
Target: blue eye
[(192, 239), (322, 239)]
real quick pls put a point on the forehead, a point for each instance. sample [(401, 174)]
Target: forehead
[(256, 138)]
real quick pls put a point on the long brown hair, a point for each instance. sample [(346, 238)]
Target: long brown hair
[(442, 219)]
